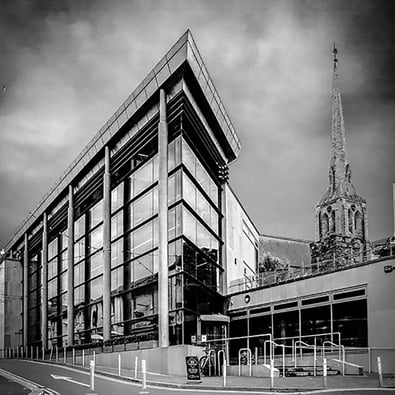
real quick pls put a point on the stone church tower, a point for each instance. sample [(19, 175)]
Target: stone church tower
[(341, 225)]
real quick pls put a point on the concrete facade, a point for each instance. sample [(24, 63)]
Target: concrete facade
[(371, 276), (10, 303)]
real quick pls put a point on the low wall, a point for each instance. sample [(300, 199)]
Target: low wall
[(166, 360)]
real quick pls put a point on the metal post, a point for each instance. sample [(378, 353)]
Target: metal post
[(119, 364), (83, 358), (31, 352), (64, 355), (144, 372), (37, 353), (92, 375), (43, 353), (57, 354), (94, 357), (224, 373), (256, 355), (135, 366), (380, 372), (73, 356), (271, 373), (324, 372), (369, 361)]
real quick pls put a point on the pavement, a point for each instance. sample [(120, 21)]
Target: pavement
[(245, 383), (335, 384), (8, 387)]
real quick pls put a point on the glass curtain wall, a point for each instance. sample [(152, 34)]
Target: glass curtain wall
[(57, 290), (194, 243), (34, 298)]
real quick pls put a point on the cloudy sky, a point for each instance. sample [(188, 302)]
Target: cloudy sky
[(68, 65)]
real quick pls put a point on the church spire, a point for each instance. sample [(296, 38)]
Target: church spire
[(339, 170), (338, 161), (341, 216)]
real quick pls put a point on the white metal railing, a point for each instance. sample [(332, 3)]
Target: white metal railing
[(272, 346), (342, 352), (301, 344)]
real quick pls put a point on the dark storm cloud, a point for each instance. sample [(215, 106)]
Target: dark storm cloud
[(69, 64)]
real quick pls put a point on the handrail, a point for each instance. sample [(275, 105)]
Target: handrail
[(332, 344), (249, 359), (341, 349), (274, 344), (305, 345)]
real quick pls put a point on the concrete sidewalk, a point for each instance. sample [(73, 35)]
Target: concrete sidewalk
[(301, 384)]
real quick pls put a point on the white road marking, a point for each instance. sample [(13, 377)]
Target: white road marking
[(68, 379)]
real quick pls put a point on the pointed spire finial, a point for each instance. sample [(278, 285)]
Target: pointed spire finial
[(334, 52)]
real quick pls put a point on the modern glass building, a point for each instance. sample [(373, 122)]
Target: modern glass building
[(141, 240), (136, 219)]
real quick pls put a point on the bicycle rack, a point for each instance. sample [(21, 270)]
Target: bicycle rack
[(219, 360), (249, 356)]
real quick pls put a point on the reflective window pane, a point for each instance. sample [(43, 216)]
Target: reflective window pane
[(96, 214), (117, 225), (117, 197), (96, 264)]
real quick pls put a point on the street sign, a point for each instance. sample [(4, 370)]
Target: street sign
[(193, 371), (204, 338)]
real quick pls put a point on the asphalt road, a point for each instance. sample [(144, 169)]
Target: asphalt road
[(68, 381)]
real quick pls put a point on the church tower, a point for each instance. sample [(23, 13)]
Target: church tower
[(341, 224)]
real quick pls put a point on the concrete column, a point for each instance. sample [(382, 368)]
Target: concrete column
[(163, 279), (107, 247), (224, 229), (44, 304), (70, 269), (25, 291)]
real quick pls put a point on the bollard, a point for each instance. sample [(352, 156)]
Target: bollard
[(73, 356), (92, 375), (43, 353), (57, 354), (256, 355), (31, 352), (94, 357), (324, 372), (135, 366), (64, 355), (83, 358), (119, 364), (37, 353), (144, 379), (380, 372), (271, 373), (224, 373)]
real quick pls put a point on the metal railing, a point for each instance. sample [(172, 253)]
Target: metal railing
[(268, 278)]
